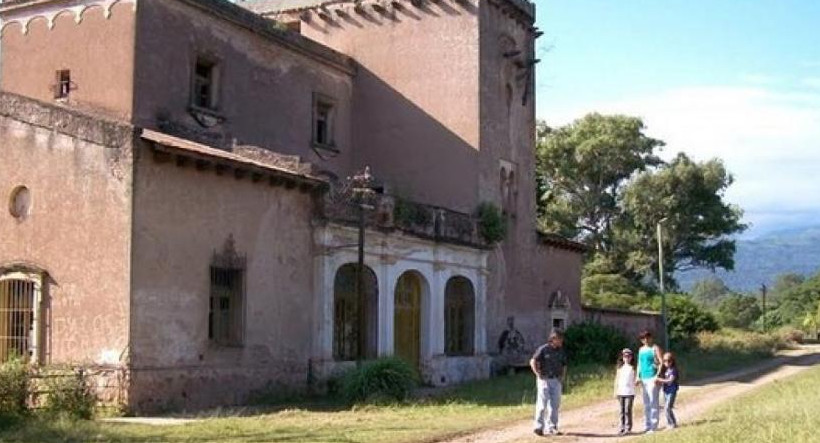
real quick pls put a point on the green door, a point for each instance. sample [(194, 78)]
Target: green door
[(407, 318)]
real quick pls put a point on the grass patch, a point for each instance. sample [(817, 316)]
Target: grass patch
[(784, 411), (425, 417), (458, 410), (724, 350)]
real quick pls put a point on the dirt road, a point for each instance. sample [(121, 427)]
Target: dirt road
[(598, 422)]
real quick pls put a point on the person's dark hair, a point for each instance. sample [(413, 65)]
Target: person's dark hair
[(555, 333), (645, 334)]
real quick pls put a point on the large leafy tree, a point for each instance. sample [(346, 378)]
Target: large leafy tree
[(601, 182), (583, 168), (697, 224)]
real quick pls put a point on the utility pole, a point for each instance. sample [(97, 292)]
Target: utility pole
[(763, 296), (660, 281)]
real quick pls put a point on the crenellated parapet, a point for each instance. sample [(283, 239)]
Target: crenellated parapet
[(340, 11), (26, 11)]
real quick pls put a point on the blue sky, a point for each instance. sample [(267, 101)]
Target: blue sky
[(738, 80)]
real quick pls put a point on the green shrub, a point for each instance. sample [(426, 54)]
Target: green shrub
[(739, 342), (390, 379), (491, 223), (69, 395), (14, 388), (685, 318), (407, 213), (788, 334), (593, 343)]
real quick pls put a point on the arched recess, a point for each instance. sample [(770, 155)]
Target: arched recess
[(21, 312), (459, 317), (408, 314), (355, 314)]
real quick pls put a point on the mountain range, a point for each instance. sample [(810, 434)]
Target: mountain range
[(760, 260)]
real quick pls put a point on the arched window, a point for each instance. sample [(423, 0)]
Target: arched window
[(459, 317), (20, 295), (355, 322)]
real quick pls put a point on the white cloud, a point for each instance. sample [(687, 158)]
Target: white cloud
[(769, 139), (760, 79)]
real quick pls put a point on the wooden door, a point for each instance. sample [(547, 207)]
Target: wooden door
[(407, 319)]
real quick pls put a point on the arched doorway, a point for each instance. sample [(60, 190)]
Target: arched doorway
[(459, 317), (355, 321), (407, 318)]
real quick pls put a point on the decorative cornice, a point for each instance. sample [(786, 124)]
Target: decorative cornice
[(23, 12), (521, 10)]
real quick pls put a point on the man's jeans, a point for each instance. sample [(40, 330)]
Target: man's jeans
[(670, 406), (651, 393), (549, 401)]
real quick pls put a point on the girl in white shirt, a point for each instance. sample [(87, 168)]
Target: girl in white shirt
[(625, 389)]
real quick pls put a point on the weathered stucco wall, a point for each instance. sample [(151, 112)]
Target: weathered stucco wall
[(99, 52), (182, 217), (265, 90), (525, 272), (416, 120), (629, 322), (78, 172)]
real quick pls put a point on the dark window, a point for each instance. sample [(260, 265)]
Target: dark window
[(205, 83), (459, 315), (354, 321), (225, 317), (62, 87), (323, 121)]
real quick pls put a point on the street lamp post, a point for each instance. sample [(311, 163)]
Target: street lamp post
[(660, 281), (362, 189)]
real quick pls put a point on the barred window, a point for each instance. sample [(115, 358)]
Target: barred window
[(226, 313), (354, 323), (459, 317), (19, 316)]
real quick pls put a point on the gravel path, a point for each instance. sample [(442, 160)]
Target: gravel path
[(598, 422)]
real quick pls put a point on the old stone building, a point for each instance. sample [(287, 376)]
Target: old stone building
[(179, 216)]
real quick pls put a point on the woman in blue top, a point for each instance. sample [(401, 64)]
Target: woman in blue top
[(649, 359)]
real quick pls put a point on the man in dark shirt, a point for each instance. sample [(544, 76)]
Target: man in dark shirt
[(549, 364)]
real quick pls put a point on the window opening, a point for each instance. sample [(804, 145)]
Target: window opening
[(459, 315), (18, 318), (226, 313), (205, 83), (347, 327), (62, 86), (323, 121)]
